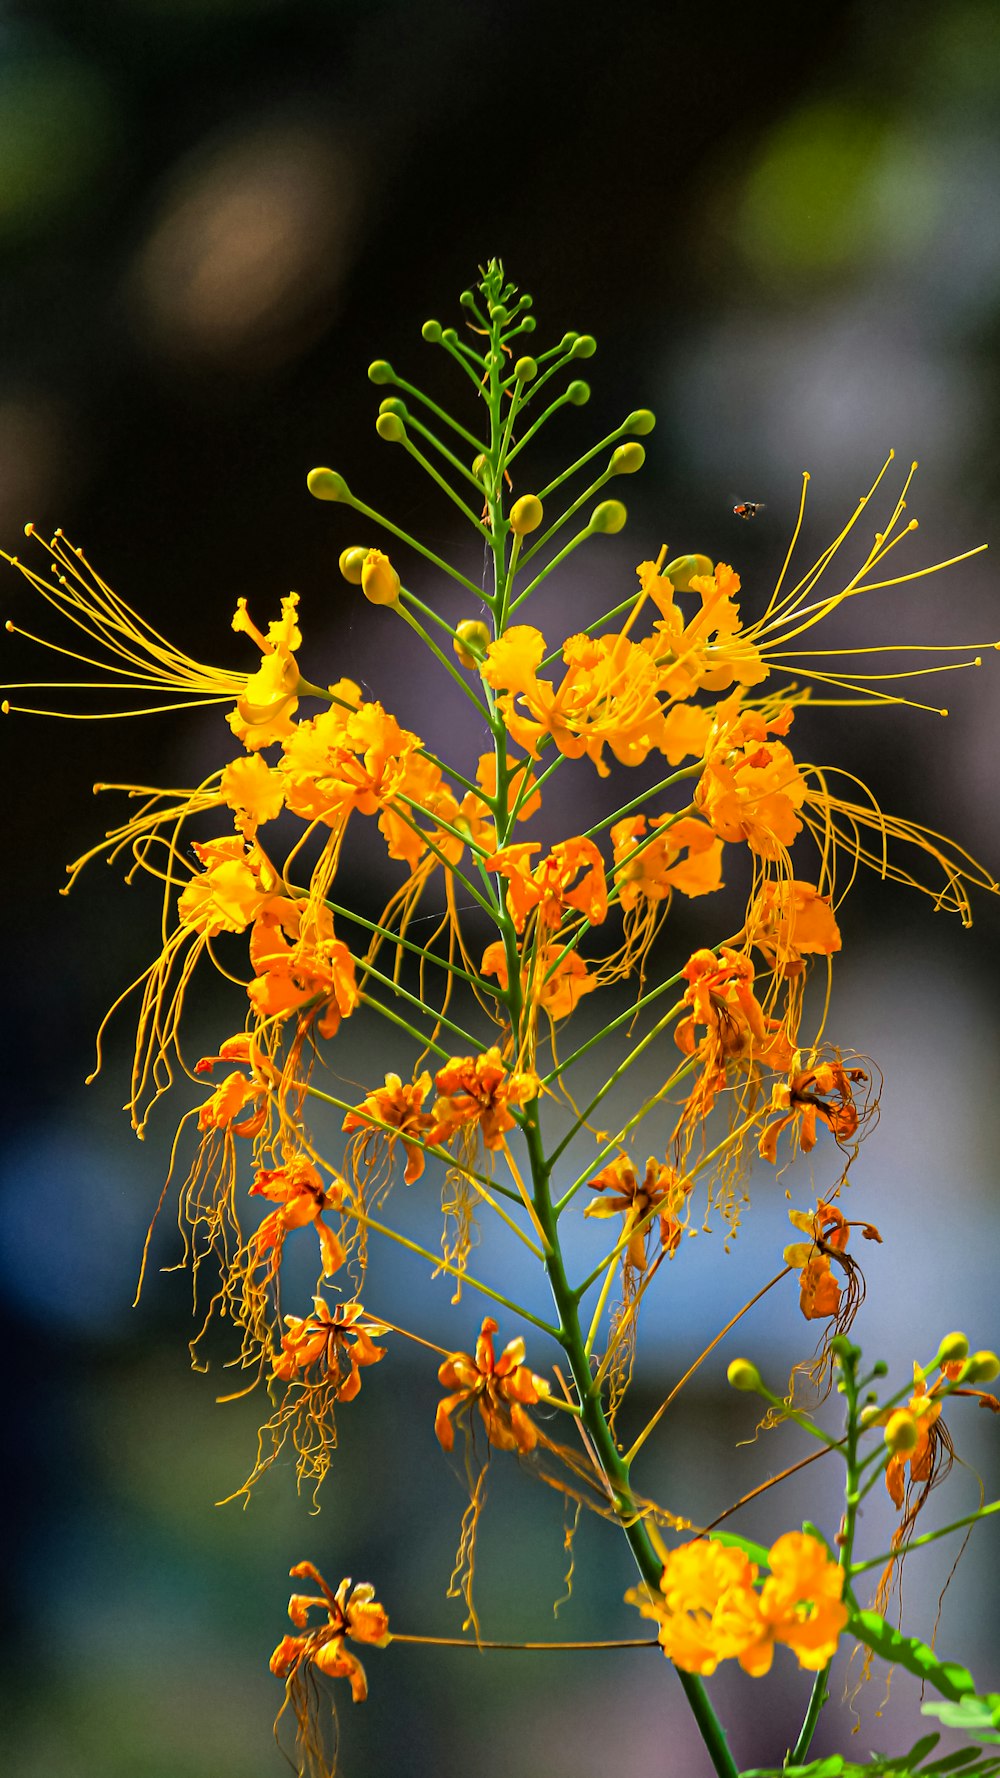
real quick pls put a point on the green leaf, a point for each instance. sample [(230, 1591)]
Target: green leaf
[(947, 1677), (977, 1716), (905, 1765), (756, 1551)]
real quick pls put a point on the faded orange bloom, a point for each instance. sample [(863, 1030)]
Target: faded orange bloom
[(721, 997), (500, 1387), (751, 788), (401, 1107), (235, 1094), (660, 1189), (299, 1191), (264, 711), (652, 873), (824, 1092), (709, 1610), (479, 1090), (356, 1615), (558, 993), (329, 1347), (828, 1231), (299, 963), (789, 920), (924, 1410)]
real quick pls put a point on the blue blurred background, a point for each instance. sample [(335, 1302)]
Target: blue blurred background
[(782, 225)]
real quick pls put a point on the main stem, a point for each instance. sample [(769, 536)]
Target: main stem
[(571, 1339)]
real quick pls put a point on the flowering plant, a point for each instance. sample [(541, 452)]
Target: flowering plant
[(673, 675)]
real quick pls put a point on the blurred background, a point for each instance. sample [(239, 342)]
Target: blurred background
[(781, 224)]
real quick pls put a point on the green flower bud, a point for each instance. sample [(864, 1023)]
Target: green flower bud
[(584, 346), (982, 1367), (379, 580), (393, 404), (640, 421), (499, 314), (578, 393), (326, 484), (568, 340), (869, 1415), (351, 562), (525, 515), (471, 640), (449, 336), (744, 1375), (608, 518), (381, 372), (524, 370), (431, 331), (626, 459), (681, 571), (390, 428), (468, 299), (901, 1433), (480, 467), (525, 301), (953, 1347), (528, 325)]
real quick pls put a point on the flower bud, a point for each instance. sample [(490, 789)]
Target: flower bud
[(953, 1347), (640, 421), (524, 370), (381, 372), (584, 346), (578, 393), (431, 332), (744, 1375), (982, 1367), (390, 428), (326, 484), (681, 571), (393, 404), (627, 458), (609, 517), (525, 515), (379, 580), (901, 1433), (869, 1415), (471, 640), (480, 467), (528, 325), (351, 563), (499, 314)]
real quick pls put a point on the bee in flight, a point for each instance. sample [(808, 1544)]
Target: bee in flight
[(748, 509)]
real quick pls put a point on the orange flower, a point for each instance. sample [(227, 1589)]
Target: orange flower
[(823, 1091), (302, 1197), (333, 1346), (235, 883), (608, 695), (924, 1410), (751, 788), (706, 653), (660, 1189), (558, 993), (546, 888), (358, 1616), (401, 1107), (789, 920), (344, 759), (254, 792), (298, 963), (499, 1386), (478, 1090), (265, 709), (819, 1292), (236, 1094), (652, 873), (720, 994), (709, 1610)]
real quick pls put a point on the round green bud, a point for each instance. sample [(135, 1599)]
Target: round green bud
[(525, 515), (526, 301), (640, 421), (626, 459), (744, 1375), (568, 340), (470, 641), (584, 346), (869, 1415), (982, 1367), (608, 518), (381, 372), (468, 299), (953, 1347), (379, 580), (578, 393), (901, 1433), (499, 314), (528, 325), (480, 467), (449, 336), (524, 370), (682, 570), (880, 1368), (326, 484), (431, 331), (351, 562), (390, 428), (393, 404)]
